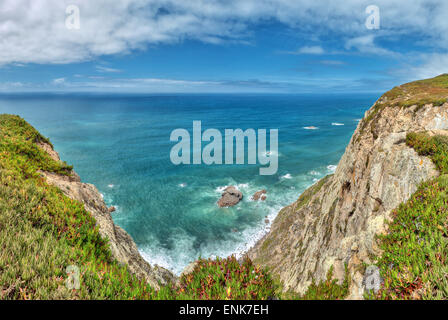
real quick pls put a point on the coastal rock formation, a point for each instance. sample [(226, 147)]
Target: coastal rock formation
[(335, 222), (259, 195), (121, 244), (230, 197)]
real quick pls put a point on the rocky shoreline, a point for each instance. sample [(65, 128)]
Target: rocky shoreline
[(335, 222), (122, 246)]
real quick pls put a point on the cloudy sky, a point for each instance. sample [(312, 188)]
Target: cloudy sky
[(268, 46)]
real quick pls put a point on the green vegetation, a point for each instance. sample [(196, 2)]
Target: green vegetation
[(415, 251), (328, 289), (434, 90), (418, 93), (434, 147), (42, 232), (223, 279)]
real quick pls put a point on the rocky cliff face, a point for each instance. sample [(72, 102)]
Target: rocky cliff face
[(121, 244), (334, 223)]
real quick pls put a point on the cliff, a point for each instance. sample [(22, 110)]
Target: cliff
[(335, 223), (386, 205), (55, 229), (58, 240), (122, 246)]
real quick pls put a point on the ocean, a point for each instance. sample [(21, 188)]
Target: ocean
[(121, 144)]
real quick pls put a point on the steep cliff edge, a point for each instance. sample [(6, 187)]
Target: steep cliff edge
[(58, 240), (56, 233), (335, 222), (121, 244)]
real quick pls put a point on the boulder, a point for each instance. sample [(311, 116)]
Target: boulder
[(259, 195), (230, 197)]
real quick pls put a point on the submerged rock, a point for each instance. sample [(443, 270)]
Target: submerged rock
[(230, 197), (259, 195)]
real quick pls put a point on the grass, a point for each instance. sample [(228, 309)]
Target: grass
[(329, 289), (418, 93), (434, 90), (414, 264), (223, 279), (42, 232), (435, 147)]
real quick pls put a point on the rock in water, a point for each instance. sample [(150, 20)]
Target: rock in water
[(259, 195), (334, 224), (122, 246), (230, 197)]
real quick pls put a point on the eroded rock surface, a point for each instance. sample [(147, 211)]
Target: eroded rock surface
[(121, 244), (230, 197), (259, 195), (335, 221)]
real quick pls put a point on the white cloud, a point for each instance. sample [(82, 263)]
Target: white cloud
[(107, 69), (309, 50), (59, 81), (366, 44), (431, 66), (151, 85), (11, 85), (34, 31)]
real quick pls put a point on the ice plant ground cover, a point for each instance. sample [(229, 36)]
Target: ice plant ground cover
[(414, 260), (42, 232)]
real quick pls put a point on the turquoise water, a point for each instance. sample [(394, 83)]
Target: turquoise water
[(121, 144)]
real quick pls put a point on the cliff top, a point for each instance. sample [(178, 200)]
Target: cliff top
[(331, 231), (434, 90)]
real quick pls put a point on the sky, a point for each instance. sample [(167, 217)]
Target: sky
[(217, 46)]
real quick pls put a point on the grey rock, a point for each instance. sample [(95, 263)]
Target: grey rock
[(337, 220), (230, 197), (121, 244)]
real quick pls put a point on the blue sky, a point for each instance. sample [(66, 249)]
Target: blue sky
[(164, 46)]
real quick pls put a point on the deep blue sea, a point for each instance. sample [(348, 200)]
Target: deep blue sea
[(122, 145)]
